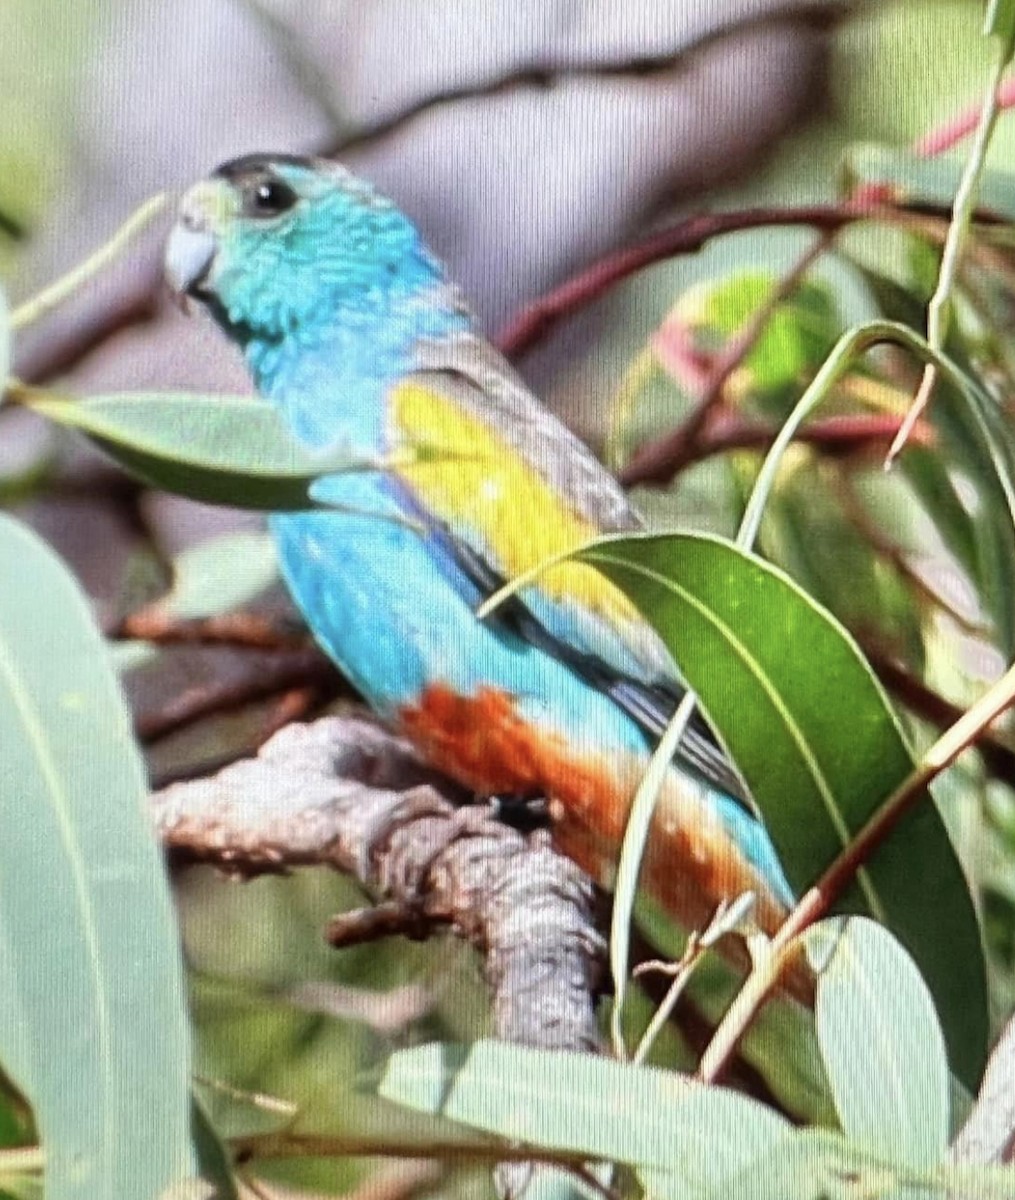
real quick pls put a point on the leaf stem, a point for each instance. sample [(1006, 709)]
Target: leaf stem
[(51, 297), (939, 310), (632, 849)]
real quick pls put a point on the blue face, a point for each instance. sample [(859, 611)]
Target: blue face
[(281, 247)]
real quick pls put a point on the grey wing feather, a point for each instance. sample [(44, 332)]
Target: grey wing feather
[(490, 388)]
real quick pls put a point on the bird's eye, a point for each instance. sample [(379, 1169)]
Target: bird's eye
[(269, 198)]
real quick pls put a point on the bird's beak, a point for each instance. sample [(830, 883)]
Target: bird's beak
[(189, 256), (192, 245)]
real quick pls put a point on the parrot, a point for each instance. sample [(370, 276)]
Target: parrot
[(351, 327)]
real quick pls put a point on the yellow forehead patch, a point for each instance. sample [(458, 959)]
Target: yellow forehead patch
[(470, 477), (210, 202)]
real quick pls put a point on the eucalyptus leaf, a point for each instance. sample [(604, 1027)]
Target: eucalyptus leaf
[(809, 1164), (101, 1045), (977, 444), (815, 738), (221, 574), (915, 179), (586, 1106), (881, 1043), (220, 449)]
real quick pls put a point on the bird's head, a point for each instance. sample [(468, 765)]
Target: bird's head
[(276, 245)]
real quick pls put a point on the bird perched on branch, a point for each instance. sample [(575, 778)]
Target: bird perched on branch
[(350, 326)]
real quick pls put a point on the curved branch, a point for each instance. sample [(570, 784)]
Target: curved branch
[(343, 793)]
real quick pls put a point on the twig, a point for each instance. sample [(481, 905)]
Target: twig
[(841, 872), (940, 306), (944, 137), (293, 705), (361, 925), (535, 321), (658, 463), (652, 462), (248, 1148), (54, 295), (280, 672), (998, 758), (241, 629), (546, 70)]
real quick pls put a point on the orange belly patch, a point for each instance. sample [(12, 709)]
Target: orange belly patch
[(690, 863)]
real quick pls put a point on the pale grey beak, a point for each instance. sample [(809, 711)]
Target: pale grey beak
[(189, 255)]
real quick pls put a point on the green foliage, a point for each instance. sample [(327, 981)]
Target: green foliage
[(74, 826), (683, 1139), (860, 570), (892, 1096), (587, 1107), (219, 575), (219, 449), (818, 745), (915, 179)]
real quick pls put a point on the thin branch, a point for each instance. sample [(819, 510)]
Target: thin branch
[(278, 673), (660, 462), (547, 71), (248, 1148), (998, 758), (242, 629), (63, 288), (948, 135), (838, 876), (940, 307), (680, 447), (534, 322)]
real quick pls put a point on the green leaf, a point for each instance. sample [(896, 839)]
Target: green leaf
[(881, 1043), (212, 1160), (811, 730), (221, 574), (585, 1106), (810, 1164), (220, 449), (797, 336), (88, 943), (1000, 22), (913, 179), (983, 541)]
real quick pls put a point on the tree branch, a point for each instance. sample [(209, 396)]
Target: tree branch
[(533, 323), (343, 793)]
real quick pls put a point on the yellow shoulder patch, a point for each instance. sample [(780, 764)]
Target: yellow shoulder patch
[(470, 477)]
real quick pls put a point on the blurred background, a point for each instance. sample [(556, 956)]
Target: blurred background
[(529, 139)]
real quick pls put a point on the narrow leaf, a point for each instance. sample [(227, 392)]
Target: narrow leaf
[(813, 734), (220, 449), (582, 1105), (881, 1043), (914, 179), (101, 1046), (808, 1164)]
